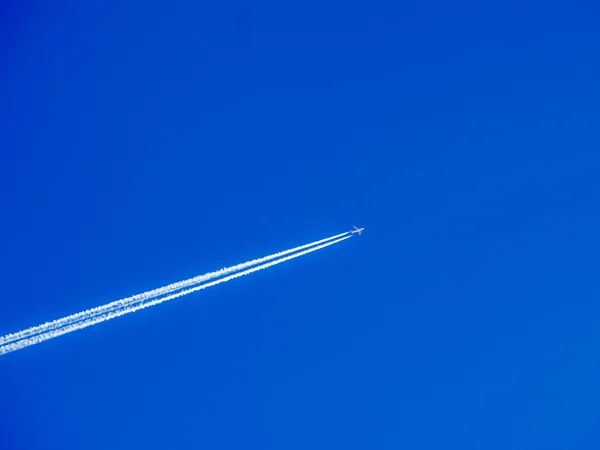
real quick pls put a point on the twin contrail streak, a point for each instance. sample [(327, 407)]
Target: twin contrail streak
[(138, 298), (50, 330)]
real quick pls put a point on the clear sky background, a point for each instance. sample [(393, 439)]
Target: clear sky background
[(146, 142)]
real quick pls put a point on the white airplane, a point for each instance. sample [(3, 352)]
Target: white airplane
[(357, 230)]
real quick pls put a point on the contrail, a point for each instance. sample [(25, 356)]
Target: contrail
[(55, 332), (138, 298)]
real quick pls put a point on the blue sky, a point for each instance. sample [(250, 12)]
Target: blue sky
[(147, 142)]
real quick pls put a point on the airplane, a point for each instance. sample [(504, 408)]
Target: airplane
[(357, 230)]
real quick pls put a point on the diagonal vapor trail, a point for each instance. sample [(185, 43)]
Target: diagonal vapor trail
[(138, 298), (58, 331)]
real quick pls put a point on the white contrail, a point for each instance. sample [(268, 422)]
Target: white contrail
[(138, 298), (126, 310)]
